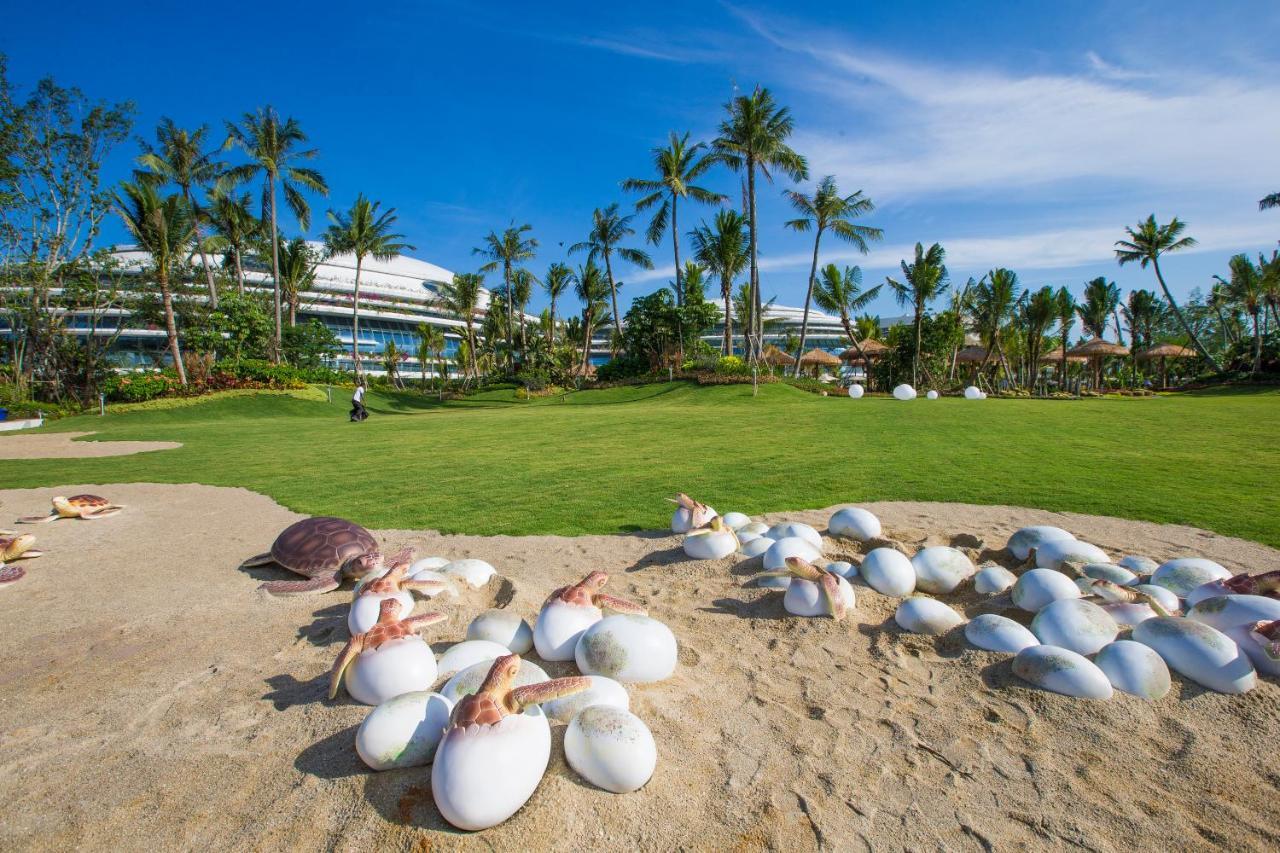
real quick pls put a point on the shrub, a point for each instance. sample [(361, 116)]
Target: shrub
[(732, 365), (733, 378), (138, 387), (622, 367)]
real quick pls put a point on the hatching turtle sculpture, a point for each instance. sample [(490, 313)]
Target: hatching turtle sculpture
[(387, 660), (87, 507), (570, 610), (325, 550)]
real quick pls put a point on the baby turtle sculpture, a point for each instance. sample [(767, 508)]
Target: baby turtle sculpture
[(87, 507), (325, 550), (496, 748), (17, 546), (1267, 583), (689, 514), (570, 610), (388, 659), (394, 584)]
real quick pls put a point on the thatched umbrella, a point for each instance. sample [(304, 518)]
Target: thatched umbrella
[(775, 357), (1165, 352), (1096, 350), (817, 358), (872, 349), (971, 355), (1055, 357)]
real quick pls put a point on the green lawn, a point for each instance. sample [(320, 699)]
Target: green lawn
[(602, 461)]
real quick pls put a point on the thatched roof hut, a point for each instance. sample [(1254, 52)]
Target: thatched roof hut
[(971, 355), (816, 357), (871, 348), (1168, 351), (1098, 348), (1056, 356), (775, 357)]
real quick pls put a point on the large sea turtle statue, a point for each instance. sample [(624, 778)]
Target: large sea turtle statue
[(326, 551), (87, 507)]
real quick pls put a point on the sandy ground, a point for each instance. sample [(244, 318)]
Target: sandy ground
[(152, 698), (61, 445)]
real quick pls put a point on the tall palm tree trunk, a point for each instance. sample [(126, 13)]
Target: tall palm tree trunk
[(613, 293), (587, 320), (808, 296), (204, 260), (275, 277), (355, 319), (1257, 342), (511, 344), (757, 328), (675, 248), (1186, 327), (235, 253), (726, 290), (551, 327), (171, 327), (915, 362)]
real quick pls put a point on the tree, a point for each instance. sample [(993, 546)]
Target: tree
[(522, 282), (1269, 201), (1066, 319), (179, 158), (308, 345), (1039, 310), (505, 251), (678, 165), (361, 231), (827, 209), (555, 283), (868, 327), (165, 230), (297, 273), (592, 290), (754, 136), (924, 280), (608, 230), (992, 301), (694, 314), (461, 297), (235, 229), (1142, 313), (431, 345), (1101, 297), (1146, 243), (723, 251), (841, 293), (273, 147), (391, 357), (1247, 288)]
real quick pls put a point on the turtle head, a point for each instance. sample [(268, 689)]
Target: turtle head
[(1267, 635), (361, 565), (13, 547), (799, 568), (501, 678), (1112, 592), (594, 582), (62, 505)]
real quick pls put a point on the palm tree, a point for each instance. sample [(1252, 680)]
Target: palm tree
[(431, 345), (754, 136), (235, 228), (608, 229), (461, 297), (592, 290), (828, 209), (1141, 313), (556, 281), (179, 158), (841, 293), (1066, 319), (723, 251), (391, 356), (362, 232), (1268, 201), (1269, 269), (1247, 289), (868, 327), (506, 251), (1101, 297), (522, 282), (678, 165), (1039, 310), (924, 280), (1145, 245), (1219, 301), (297, 273), (273, 146), (164, 228), (993, 301)]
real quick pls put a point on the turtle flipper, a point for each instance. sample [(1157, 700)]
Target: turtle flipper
[(11, 574), (619, 605), (104, 512), (28, 555), (324, 583), (353, 647), (259, 560), (39, 519), (831, 592)]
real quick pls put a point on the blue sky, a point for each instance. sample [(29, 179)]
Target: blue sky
[(1017, 134)]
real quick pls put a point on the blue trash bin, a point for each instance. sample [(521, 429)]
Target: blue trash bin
[(4, 414)]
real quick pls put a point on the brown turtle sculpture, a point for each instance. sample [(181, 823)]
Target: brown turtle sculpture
[(87, 507), (324, 550)]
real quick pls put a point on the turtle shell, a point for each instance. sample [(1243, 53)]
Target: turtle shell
[(318, 546), (90, 501)]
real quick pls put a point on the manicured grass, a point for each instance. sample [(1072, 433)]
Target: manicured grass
[(603, 461)]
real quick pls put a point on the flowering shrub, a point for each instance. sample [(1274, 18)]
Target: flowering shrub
[(138, 387), (732, 365)]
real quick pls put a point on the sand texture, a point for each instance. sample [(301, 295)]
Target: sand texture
[(153, 698), (61, 445)]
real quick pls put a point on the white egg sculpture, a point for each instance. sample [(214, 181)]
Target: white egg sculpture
[(996, 633), (921, 615), (1183, 575), (973, 392), (1128, 614), (1062, 671), (403, 731), (475, 573), (1039, 587), (1027, 539), (736, 520), (459, 656), (904, 392), (603, 691), (856, 391), (853, 522), (1110, 572), (1134, 669), (502, 627), (795, 529), (1203, 654), (400, 666), (363, 614), (888, 572), (1236, 616), (627, 648), (1052, 554), (467, 681), (754, 530), (710, 543), (755, 547), (932, 395), (571, 610), (842, 568), (991, 580), (806, 598), (428, 564), (941, 568), (689, 514), (775, 559), (1205, 591), (1070, 623), (611, 748), (1143, 566), (1166, 598)]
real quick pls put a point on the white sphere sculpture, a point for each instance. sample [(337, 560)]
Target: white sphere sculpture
[(856, 391), (904, 392), (973, 393), (932, 395)]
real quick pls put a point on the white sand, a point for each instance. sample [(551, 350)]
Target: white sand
[(61, 445)]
